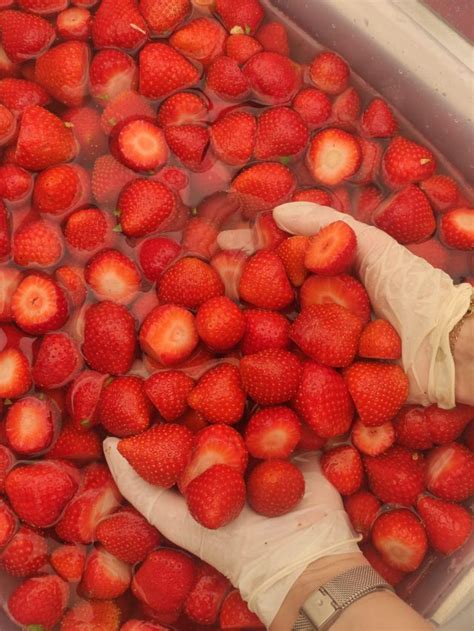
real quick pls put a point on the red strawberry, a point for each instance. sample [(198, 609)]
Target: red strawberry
[(314, 195), (163, 17), (111, 72), (229, 265), (43, 7), (272, 433), (94, 615), (378, 390), (218, 395), (108, 178), (389, 573), (323, 401), (124, 408), (168, 334), (342, 466), (292, 253), (124, 106), (76, 445), (226, 80), (10, 279), (163, 70), (263, 186), (182, 108), (8, 125), (25, 554), (113, 276), (362, 508), (82, 398), (104, 576), (87, 231), (264, 330), (247, 14), (281, 132), (109, 338), (128, 536), (365, 201), (275, 487), (332, 250), (189, 282), (18, 94), (216, 444), (370, 164), (405, 162), (24, 36), (201, 39), (57, 362), (379, 340), (346, 108), (39, 602), (264, 282), (448, 526), (205, 599), (396, 476), (61, 188), (200, 237), (39, 305), (39, 492), (333, 156), (74, 24), (63, 71), (236, 615), (119, 24), (189, 143), (87, 130), (401, 539), (273, 77), (378, 120), (314, 107), (327, 333), (141, 145), (8, 524), (168, 391), (450, 472), (447, 425), (412, 429), (43, 140), (406, 215), (164, 580), (15, 377), (241, 47), (273, 37), (30, 425), (270, 376), (372, 440), (144, 205), (217, 496), (233, 137), (7, 460), (329, 72), (156, 254), (220, 323), (457, 228), (442, 191), (37, 243), (68, 561), (160, 454), (5, 237)]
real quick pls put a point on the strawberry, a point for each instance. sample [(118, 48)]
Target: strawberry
[(168, 334), (346, 108), (275, 487), (218, 395), (229, 265), (217, 496), (134, 624), (447, 425), (342, 466), (8, 126), (128, 536), (457, 228), (273, 78), (400, 538), (406, 215), (372, 440), (16, 184), (39, 492), (25, 554), (125, 105), (168, 391), (292, 253), (200, 237), (18, 94), (104, 576), (159, 455), (272, 433), (329, 72), (264, 282), (203, 603), (76, 444), (141, 145), (201, 39), (182, 108), (450, 472), (109, 177), (111, 72), (63, 71), (189, 143), (112, 276), (241, 47), (68, 561), (8, 524), (271, 376), (370, 163), (362, 508), (216, 444), (164, 70), (189, 282), (246, 15), (39, 602), (93, 615), (7, 460), (273, 37), (263, 186), (366, 200), (37, 243), (15, 376), (74, 24), (236, 615), (389, 573), (43, 7), (109, 338), (226, 80), (333, 156), (39, 305), (396, 476), (57, 362), (156, 254), (281, 132), (379, 340), (43, 140), (264, 330), (87, 130), (314, 195), (82, 398), (323, 401), (314, 107), (405, 162), (220, 323), (119, 24), (163, 17), (378, 120), (24, 36), (233, 137), (442, 191), (332, 250), (124, 408), (30, 425), (61, 188), (448, 526), (86, 231), (412, 429), (378, 390), (164, 580)]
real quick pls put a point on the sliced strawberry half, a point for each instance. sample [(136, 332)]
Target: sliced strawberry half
[(457, 228), (105, 576), (15, 375), (141, 146), (372, 440), (333, 156), (113, 276), (272, 433), (39, 305), (331, 251), (450, 472), (30, 425)]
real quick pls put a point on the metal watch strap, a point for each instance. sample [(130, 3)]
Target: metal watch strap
[(326, 604)]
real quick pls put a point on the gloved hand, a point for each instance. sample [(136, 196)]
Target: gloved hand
[(421, 302), (262, 557)]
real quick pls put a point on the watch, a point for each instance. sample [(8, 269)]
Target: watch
[(326, 604)]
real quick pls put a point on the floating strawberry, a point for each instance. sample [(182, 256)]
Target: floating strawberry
[(379, 340), (405, 162), (273, 78), (95, 614), (24, 36), (74, 24), (82, 398), (61, 188), (247, 15), (163, 70), (264, 330), (220, 323), (111, 72), (264, 282), (314, 107), (442, 191), (346, 108), (8, 523), (272, 433), (389, 573), (275, 487), (57, 362), (329, 72), (141, 145), (333, 156), (39, 305), (273, 37), (168, 391), (119, 25), (457, 228), (378, 120), (128, 536), (108, 177), (104, 576), (263, 186), (332, 250), (281, 132), (241, 47), (88, 230), (30, 425), (201, 39), (18, 94), (63, 70), (218, 395), (189, 143), (182, 108), (164, 17), (15, 375), (189, 282), (124, 408), (37, 243), (233, 137), (112, 276), (396, 475), (86, 128), (25, 554), (270, 376), (39, 601), (68, 561), (78, 445)]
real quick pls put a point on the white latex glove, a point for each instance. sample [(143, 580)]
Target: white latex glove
[(262, 557), (421, 302)]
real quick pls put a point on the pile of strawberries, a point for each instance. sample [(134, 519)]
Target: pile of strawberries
[(131, 134)]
